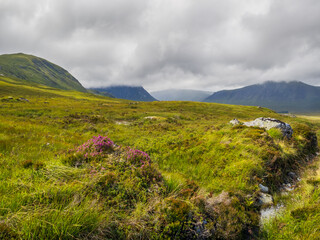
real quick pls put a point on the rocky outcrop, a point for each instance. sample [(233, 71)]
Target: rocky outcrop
[(269, 123)]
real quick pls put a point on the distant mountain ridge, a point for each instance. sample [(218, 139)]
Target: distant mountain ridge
[(34, 69), (279, 96), (127, 92), (181, 95)]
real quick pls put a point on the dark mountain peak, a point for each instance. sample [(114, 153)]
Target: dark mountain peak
[(293, 96), (136, 93), (38, 70)]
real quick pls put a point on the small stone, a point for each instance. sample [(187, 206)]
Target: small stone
[(235, 122), (263, 189), (23, 99), (151, 117)]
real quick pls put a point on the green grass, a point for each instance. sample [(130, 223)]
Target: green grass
[(197, 159)]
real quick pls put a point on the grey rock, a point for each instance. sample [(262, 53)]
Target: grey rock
[(264, 200), (263, 189), (268, 123), (235, 122)]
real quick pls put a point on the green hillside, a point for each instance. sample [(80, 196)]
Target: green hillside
[(37, 70), (80, 166)]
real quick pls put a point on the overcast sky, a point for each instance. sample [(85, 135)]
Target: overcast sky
[(160, 44)]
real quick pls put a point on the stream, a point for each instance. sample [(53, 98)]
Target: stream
[(274, 210)]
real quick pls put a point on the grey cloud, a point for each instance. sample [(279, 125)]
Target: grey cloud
[(287, 31), (204, 44)]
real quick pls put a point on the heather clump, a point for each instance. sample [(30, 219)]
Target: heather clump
[(95, 148), (137, 157)]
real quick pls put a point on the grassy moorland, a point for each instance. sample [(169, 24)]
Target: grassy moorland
[(197, 176)]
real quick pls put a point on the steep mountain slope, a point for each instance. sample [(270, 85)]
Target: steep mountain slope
[(37, 70), (279, 96), (181, 95), (127, 92)]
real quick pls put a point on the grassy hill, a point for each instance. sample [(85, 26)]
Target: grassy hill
[(33, 69), (294, 97), (80, 166)]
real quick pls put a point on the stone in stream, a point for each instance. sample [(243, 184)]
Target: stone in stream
[(263, 189), (264, 200)]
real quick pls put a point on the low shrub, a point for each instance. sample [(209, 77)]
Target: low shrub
[(137, 157), (94, 149)]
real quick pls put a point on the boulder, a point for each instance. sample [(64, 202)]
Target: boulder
[(269, 123)]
